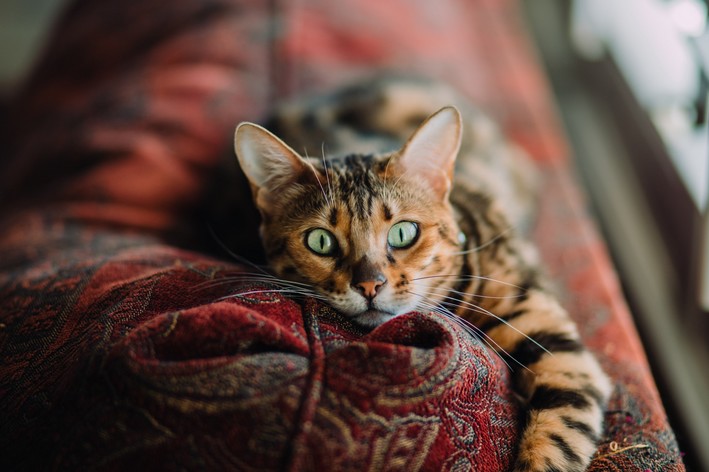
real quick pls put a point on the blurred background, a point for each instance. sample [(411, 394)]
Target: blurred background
[(630, 80), (24, 25)]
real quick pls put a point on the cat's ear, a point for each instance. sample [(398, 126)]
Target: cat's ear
[(430, 152), (267, 162)]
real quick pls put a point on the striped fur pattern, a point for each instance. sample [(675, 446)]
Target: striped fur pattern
[(396, 215)]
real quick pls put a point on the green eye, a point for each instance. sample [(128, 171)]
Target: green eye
[(403, 234), (321, 242)]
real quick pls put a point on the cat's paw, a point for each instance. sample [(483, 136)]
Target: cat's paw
[(547, 460), (550, 445)]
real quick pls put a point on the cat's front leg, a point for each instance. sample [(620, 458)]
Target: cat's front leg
[(564, 414), (565, 387)]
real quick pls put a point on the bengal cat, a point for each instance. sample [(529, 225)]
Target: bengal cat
[(400, 211)]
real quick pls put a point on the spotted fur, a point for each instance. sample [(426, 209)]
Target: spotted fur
[(328, 222)]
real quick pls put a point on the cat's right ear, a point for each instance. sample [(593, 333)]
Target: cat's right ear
[(267, 162), (429, 154)]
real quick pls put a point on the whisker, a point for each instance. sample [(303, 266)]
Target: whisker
[(241, 281), (403, 174), (327, 176), (252, 277), (386, 172), (386, 168), (458, 292), (231, 253), (460, 277), (478, 309), (262, 291), (238, 276), (473, 330), (485, 244), (317, 179)]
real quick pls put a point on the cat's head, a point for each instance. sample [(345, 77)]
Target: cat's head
[(370, 233)]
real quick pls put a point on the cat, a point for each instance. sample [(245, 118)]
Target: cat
[(410, 208)]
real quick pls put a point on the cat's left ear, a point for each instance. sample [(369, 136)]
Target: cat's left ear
[(430, 152), (268, 163)]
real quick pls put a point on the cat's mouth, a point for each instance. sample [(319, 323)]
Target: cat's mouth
[(373, 318)]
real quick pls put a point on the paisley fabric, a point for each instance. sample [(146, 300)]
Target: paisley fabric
[(121, 341), (134, 359)]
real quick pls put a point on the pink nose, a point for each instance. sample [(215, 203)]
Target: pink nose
[(369, 288), (367, 278)]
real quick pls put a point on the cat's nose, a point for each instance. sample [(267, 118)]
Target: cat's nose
[(370, 288), (367, 278)]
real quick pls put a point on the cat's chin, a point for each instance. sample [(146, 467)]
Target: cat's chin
[(372, 318)]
